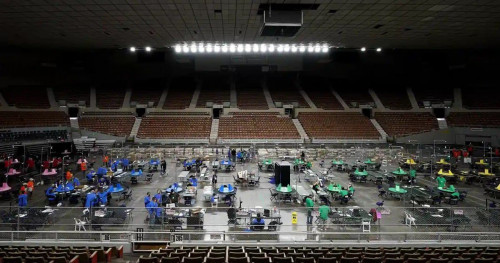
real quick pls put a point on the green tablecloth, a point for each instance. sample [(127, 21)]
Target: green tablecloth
[(369, 161), (267, 162), (358, 173), (398, 191), (339, 162), (447, 190), (298, 162), (399, 172), (282, 189), (332, 188)]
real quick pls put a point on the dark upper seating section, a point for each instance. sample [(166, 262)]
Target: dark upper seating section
[(406, 123), (144, 91), (318, 90), (19, 119), (250, 94), (175, 127), (180, 93), (283, 89), (57, 135), (392, 95), (354, 93), (480, 97), (111, 95), (474, 119), (329, 125), (27, 97), (257, 125), (214, 89), (73, 93), (436, 91)]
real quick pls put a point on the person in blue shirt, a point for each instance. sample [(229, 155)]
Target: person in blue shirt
[(147, 199), (151, 207), (76, 182), (258, 223), (90, 177), (91, 199), (23, 199), (158, 196), (103, 197)]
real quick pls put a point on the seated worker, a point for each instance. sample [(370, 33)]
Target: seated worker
[(316, 186), (23, 199), (103, 197), (51, 196), (350, 189), (69, 175), (76, 182), (258, 223), (344, 196), (90, 177), (91, 199), (214, 200)]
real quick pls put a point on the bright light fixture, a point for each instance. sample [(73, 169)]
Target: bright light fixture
[(178, 48), (148, 49), (224, 49), (132, 49), (201, 48), (363, 49), (240, 48), (209, 48), (286, 48), (310, 48), (379, 49), (232, 48), (317, 48), (302, 49), (294, 49), (263, 48), (248, 48), (255, 48), (216, 48), (280, 48), (193, 48), (185, 48), (271, 48), (324, 49)]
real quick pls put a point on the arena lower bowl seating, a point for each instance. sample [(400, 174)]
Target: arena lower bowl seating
[(398, 124), (315, 254), (60, 254), (474, 119), (112, 125), (175, 127), (329, 125), (21, 119), (57, 135), (258, 125)]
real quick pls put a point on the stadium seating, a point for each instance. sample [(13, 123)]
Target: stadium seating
[(269, 254), (480, 98), (393, 98), (214, 89), (112, 125), (148, 90), (179, 93), (406, 123), (319, 92), (435, 93), (250, 94), (111, 95), (20, 119), (474, 119), (328, 125), (282, 89), (72, 94), (27, 97), (352, 92), (8, 136), (60, 254), (173, 127), (259, 125)]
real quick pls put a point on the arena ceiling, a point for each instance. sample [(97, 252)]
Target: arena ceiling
[(159, 23)]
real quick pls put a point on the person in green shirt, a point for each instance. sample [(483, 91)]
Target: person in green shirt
[(413, 176), (455, 194), (344, 196), (441, 181), (323, 213), (310, 206), (309, 165), (351, 190)]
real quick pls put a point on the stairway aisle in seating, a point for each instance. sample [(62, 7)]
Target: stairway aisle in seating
[(214, 131), (379, 128), (442, 124), (196, 95), (135, 128), (300, 129)]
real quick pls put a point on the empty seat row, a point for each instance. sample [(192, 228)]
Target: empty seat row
[(72, 93), (20, 119), (329, 125), (111, 95), (257, 126), (474, 119), (170, 127), (116, 125), (214, 89), (403, 123), (27, 97), (148, 90)]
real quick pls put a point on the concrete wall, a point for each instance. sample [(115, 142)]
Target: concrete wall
[(456, 135)]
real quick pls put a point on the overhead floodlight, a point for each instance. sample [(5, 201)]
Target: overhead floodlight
[(209, 48), (224, 49), (248, 48), (363, 49), (302, 49), (240, 48), (324, 49), (178, 48), (216, 48), (255, 48), (294, 49), (286, 48), (232, 48), (271, 48), (263, 48), (201, 48), (310, 48), (193, 48), (280, 48), (148, 49), (132, 49), (185, 49), (379, 49), (317, 48)]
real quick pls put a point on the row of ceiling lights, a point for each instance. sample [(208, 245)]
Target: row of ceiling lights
[(249, 48)]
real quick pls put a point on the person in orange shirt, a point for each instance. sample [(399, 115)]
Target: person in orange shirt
[(69, 175), (83, 167), (105, 160), (31, 186)]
